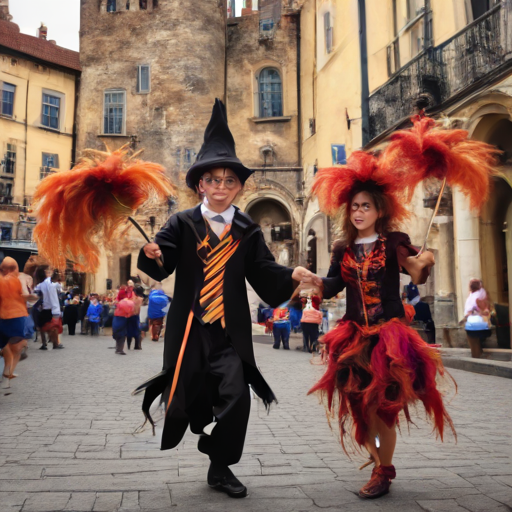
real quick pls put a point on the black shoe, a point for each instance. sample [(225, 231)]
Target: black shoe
[(43, 347), (277, 348), (222, 479), (58, 346)]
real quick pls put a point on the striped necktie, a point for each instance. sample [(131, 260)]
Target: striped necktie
[(211, 298)]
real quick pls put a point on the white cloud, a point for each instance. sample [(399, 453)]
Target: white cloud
[(62, 17)]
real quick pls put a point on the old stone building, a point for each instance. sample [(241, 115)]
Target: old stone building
[(263, 111), (365, 68), (150, 75)]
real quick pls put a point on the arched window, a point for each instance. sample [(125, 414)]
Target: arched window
[(270, 93)]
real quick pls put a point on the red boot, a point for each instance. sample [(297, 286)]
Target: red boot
[(379, 482)]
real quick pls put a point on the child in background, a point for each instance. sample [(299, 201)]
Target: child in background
[(158, 302), (94, 314), (124, 310), (311, 319), (281, 328)]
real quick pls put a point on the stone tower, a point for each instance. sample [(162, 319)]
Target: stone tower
[(151, 70)]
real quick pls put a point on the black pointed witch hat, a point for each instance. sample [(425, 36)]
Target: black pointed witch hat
[(218, 149)]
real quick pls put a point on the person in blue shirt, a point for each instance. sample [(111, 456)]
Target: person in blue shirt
[(94, 314), (157, 309)]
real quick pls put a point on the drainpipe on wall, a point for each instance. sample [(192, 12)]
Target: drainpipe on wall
[(26, 150), (365, 89), (299, 108), (73, 146)]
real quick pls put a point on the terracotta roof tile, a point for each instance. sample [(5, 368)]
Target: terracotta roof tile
[(11, 37)]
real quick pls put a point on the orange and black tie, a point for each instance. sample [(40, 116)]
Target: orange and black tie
[(211, 297)]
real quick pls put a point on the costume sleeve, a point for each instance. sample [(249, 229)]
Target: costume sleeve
[(333, 283), (168, 240), (417, 267), (272, 282)]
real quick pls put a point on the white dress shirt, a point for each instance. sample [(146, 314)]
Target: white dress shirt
[(227, 215), (50, 292)]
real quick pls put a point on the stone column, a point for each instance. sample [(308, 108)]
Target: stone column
[(467, 248)]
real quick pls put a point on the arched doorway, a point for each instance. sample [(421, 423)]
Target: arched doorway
[(316, 244), (496, 218), (276, 224)]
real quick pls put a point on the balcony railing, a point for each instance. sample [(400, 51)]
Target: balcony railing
[(445, 70)]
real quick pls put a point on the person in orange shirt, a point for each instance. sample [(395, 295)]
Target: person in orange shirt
[(13, 312)]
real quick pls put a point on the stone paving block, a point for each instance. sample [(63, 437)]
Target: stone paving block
[(504, 497), (441, 505), (46, 502), (107, 501), (159, 499), (13, 501), (479, 503), (130, 502), (81, 502), (330, 494)]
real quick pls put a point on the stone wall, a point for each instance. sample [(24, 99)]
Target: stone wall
[(247, 54), (187, 71), (269, 145)]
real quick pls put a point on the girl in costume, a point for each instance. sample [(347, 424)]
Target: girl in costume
[(377, 366)]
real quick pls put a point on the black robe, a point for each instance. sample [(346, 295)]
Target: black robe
[(178, 241)]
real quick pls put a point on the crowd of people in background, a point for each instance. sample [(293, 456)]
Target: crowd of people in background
[(35, 306), (300, 315)]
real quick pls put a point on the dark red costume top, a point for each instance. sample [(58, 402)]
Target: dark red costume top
[(374, 360)]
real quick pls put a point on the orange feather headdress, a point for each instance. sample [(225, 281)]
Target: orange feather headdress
[(428, 151), (424, 151), (79, 209), (334, 186)]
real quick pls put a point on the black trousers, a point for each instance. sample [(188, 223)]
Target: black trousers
[(225, 397), (309, 335)]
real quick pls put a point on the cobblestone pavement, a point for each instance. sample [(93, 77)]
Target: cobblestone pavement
[(67, 443)]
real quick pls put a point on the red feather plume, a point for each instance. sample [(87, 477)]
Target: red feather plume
[(428, 151), (333, 186), (79, 209)]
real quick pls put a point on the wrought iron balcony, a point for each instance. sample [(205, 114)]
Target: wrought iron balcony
[(445, 71)]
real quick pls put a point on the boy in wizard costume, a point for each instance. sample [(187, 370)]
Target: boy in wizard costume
[(213, 248)]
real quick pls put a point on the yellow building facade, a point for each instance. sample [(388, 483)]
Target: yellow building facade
[(38, 82), (366, 66)]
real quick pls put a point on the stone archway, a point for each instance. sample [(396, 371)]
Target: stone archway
[(316, 244), (277, 226), (496, 217)]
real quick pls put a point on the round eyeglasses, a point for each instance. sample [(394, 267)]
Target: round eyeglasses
[(229, 182)]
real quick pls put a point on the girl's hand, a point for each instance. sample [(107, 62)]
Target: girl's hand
[(305, 277), (152, 251)]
